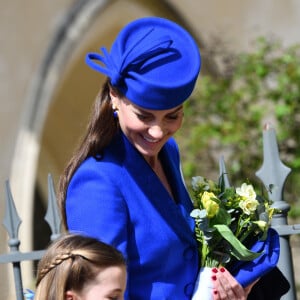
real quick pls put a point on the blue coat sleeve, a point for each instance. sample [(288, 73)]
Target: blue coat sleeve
[(96, 205)]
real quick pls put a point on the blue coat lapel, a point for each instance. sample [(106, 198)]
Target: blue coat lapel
[(177, 215)]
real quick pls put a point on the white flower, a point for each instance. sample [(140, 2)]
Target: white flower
[(197, 213), (246, 191), (248, 205)]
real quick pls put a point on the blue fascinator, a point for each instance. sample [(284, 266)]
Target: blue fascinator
[(153, 61), (246, 272)]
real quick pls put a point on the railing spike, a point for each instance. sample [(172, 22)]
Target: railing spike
[(223, 172), (11, 219), (12, 223), (273, 172), (52, 216)]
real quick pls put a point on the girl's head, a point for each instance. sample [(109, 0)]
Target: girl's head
[(77, 267)]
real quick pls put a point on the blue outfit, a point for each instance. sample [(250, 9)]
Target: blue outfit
[(117, 198)]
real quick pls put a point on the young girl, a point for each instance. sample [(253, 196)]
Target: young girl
[(77, 267)]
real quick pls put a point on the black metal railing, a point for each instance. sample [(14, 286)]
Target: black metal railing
[(273, 171), (12, 223)]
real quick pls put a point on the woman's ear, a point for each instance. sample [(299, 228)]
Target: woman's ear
[(70, 295), (114, 98), (112, 94)]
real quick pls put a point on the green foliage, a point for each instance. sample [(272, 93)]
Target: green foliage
[(229, 109)]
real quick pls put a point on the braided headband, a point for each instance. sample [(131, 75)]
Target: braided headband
[(61, 257)]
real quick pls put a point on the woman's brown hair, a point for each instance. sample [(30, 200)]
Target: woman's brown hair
[(101, 129)]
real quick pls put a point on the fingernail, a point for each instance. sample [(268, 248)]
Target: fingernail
[(214, 277), (215, 270), (222, 270), (215, 292)]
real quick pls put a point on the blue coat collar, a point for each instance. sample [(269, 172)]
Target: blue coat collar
[(176, 214)]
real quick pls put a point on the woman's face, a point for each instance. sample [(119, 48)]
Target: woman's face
[(148, 130), (109, 284)]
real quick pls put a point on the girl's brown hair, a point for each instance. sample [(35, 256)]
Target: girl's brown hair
[(71, 262)]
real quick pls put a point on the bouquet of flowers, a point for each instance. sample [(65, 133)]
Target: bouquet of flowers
[(232, 228)]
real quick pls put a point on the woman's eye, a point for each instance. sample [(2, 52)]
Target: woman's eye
[(142, 117), (173, 117)]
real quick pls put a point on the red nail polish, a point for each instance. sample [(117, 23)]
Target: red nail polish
[(214, 277), (215, 270), (222, 270), (215, 292)]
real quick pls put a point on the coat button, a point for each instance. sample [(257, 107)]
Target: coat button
[(188, 253), (188, 289)]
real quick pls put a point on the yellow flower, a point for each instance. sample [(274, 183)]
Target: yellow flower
[(261, 224), (209, 204), (246, 191), (271, 212), (248, 205)]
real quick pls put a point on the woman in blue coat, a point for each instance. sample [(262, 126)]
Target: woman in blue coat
[(124, 184)]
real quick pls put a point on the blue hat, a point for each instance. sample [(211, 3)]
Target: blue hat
[(153, 61)]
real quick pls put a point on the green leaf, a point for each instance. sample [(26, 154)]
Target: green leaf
[(239, 250), (221, 217)]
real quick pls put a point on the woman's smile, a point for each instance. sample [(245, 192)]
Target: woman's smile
[(151, 140), (148, 130)]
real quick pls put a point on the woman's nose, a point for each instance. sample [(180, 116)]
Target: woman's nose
[(156, 131)]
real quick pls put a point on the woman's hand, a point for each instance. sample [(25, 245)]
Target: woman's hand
[(226, 287)]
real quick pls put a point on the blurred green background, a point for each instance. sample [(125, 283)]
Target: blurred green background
[(227, 113)]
